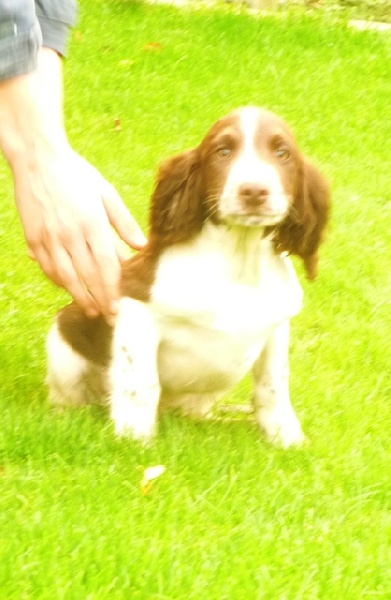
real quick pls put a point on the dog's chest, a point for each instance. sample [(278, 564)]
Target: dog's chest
[(215, 311)]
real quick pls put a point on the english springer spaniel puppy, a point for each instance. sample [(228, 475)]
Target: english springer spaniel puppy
[(211, 295)]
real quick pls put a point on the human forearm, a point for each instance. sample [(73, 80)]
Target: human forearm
[(31, 112), (30, 76)]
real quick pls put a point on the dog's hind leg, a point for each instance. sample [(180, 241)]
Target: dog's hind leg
[(71, 378)]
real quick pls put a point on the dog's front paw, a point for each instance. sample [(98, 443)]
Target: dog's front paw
[(283, 431), (138, 425)]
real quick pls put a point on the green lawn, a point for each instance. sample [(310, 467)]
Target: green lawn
[(231, 518)]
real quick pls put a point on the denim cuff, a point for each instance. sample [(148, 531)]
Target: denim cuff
[(56, 17), (18, 50), (54, 35), (26, 26)]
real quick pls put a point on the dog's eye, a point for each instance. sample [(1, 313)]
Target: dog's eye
[(224, 151), (283, 154)]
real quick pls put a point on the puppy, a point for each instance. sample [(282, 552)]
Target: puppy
[(211, 296)]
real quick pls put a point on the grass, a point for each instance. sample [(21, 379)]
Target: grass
[(232, 517)]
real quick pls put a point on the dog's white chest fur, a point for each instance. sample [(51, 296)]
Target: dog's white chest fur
[(215, 302)]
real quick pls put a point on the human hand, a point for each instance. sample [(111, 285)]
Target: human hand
[(68, 212)]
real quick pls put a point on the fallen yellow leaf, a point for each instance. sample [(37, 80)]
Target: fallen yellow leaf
[(149, 475)]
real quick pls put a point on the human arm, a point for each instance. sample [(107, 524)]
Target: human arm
[(66, 207)]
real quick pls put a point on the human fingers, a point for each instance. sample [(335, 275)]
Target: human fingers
[(45, 262), (120, 218), (123, 250), (97, 262), (58, 266)]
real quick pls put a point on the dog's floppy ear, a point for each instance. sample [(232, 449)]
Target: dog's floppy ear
[(177, 212), (302, 231)]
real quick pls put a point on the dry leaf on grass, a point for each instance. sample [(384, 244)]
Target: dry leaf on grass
[(149, 476), (152, 46)]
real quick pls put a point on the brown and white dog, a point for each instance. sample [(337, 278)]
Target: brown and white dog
[(211, 295)]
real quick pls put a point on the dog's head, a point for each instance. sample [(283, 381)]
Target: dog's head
[(247, 172)]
